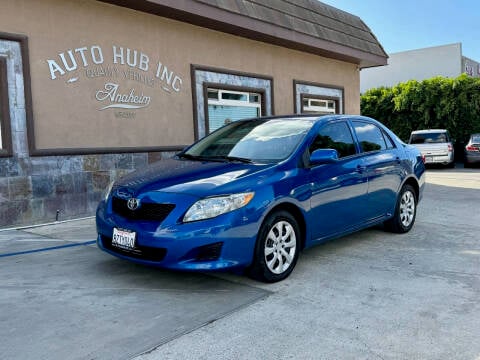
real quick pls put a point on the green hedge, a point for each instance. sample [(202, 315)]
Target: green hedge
[(439, 102)]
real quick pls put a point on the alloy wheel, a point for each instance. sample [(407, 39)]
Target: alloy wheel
[(407, 208), (280, 247)]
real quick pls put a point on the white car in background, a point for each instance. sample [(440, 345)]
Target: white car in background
[(435, 145)]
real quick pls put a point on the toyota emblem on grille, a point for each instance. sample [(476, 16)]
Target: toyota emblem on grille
[(133, 203)]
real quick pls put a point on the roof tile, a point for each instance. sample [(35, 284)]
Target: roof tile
[(305, 25), (310, 17)]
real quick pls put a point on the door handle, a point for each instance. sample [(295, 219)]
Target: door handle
[(361, 169)]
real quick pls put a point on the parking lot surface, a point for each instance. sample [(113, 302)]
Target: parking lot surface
[(62, 298), (370, 295)]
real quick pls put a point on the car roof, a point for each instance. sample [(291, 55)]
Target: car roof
[(426, 131), (315, 117)]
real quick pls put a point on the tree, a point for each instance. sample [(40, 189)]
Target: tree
[(439, 102)]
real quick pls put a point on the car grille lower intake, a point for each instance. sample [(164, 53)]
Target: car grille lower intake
[(209, 252), (146, 211), (140, 252)]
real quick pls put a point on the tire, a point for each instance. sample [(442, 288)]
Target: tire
[(405, 211), (277, 248)]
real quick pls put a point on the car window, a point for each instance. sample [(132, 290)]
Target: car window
[(335, 136), (369, 136), (428, 138), (389, 141)]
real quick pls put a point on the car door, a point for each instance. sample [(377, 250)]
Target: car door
[(382, 166), (339, 189)]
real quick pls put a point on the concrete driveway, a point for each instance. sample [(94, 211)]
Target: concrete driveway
[(62, 298), (365, 296)]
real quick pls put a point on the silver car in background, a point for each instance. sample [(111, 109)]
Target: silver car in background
[(472, 151), (435, 145)]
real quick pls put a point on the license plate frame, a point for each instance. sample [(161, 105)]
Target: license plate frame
[(124, 239), (428, 159)]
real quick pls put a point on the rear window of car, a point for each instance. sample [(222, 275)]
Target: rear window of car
[(429, 138), (476, 139)]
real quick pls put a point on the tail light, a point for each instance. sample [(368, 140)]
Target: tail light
[(472, 148), (450, 148), (423, 158)]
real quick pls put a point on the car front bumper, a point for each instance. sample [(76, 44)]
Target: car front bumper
[(225, 242)]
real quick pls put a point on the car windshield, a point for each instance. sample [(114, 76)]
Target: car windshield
[(263, 141), (428, 138)]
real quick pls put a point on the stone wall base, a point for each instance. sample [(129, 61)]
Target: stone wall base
[(35, 190)]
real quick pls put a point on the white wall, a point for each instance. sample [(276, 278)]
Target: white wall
[(445, 60)]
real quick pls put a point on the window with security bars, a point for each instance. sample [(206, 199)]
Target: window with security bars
[(225, 106)]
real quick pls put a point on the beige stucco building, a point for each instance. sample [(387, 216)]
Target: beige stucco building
[(90, 90)]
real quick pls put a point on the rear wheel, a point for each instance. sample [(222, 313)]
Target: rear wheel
[(277, 248), (405, 211)]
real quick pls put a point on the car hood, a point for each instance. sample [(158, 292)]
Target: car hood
[(199, 178)]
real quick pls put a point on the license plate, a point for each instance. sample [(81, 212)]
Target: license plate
[(123, 239), (428, 159)]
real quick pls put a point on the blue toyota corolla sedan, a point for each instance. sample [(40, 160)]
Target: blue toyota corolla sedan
[(253, 194)]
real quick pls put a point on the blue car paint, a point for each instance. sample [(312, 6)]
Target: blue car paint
[(330, 200)]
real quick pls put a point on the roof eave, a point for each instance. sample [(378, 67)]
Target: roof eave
[(210, 17)]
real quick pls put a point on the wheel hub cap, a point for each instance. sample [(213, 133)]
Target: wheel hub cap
[(280, 247), (407, 208)]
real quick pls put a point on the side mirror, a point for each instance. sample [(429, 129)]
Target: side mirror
[(323, 156)]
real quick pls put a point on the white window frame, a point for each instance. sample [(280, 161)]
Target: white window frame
[(319, 109), (224, 102)]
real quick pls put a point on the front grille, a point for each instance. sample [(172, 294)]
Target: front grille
[(209, 252), (146, 211), (140, 252)]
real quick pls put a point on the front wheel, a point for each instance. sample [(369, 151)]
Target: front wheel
[(277, 248), (405, 211)]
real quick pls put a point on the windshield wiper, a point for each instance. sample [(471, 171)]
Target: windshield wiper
[(197, 157), (233, 159), (188, 156), (216, 158)]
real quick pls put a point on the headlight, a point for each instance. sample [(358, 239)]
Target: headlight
[(107, 191), (212, 207)]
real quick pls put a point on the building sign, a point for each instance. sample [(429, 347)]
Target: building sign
[(115, 99), (116, 66)]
